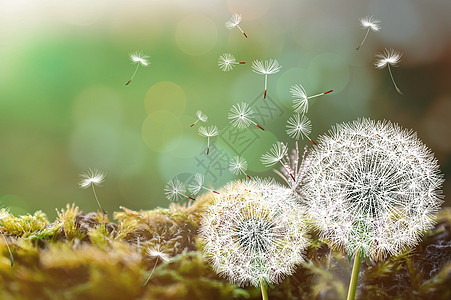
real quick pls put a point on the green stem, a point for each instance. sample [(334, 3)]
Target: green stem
[(354, 276), (263, 289)]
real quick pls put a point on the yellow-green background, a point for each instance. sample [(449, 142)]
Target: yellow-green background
[(64, 106)]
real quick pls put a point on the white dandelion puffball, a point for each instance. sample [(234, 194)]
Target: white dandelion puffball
[(254, 230), (372, 186), (140, 58)]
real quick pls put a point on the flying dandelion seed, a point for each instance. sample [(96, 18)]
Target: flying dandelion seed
[(248, 235), (138, 58), (300, 101), (208, 132), (227, 62), (200, 117), (299, 126), (278, 153), (238, 165), (156, 253), (176, 190), (266, 68), (198, 185), (233, 22), (368, 23), (3, 214), (90, 179), (240, 116), (371, 188), (389, 58)]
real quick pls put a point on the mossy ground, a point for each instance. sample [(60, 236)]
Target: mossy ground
[(86, 256)]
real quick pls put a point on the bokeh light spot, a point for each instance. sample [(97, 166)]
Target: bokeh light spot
[(196, 34), (159, 128), (165, 95)]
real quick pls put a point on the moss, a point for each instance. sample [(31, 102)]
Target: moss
[(85, 255)]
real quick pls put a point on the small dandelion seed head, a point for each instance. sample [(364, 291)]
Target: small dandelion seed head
[(91, 177), (198, 182), (388, 57), (233, 21), (267, 67), (372, 187), (277, 152), (208, 131), (239, 115), (156, 252), (299, 126), (248, 234), (139, 57), (175, 190), (300, 100), (370, 22), (238, 165), (226, 62), (201, 116)]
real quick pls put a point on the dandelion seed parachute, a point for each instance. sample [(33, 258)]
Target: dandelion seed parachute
[(138, 58), (208, 132), (227, 62), (249, 237), (368, 23), (389, 58), (91, 178), (299, 126), (372, 188), (175, 190), (233, 22), (240, 116), (300, 98), (238, 165), (200, 117), (266, 68)]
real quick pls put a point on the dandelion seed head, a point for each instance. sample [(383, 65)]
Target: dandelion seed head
[(239, 115), (156, 252), (388, 57), (208, 131), (91, 177), (248, 234), (197, 184), (266, 67), (139, 57), (299, 126), (370, 22), (277, 152), (300, 101), (175, 190), (226, 62), (233, 21), (372, 186), (201, 116), (238, 165)]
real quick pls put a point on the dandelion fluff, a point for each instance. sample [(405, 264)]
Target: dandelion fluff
[(372, 188), (253, 232)]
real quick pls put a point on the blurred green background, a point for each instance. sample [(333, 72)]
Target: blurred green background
[(64, 106)]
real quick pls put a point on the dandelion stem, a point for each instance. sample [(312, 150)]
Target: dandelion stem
[(291, 175), (354, 276), (263, 289), (266, 84), (321, 94), (150, 275), (97, 199), (241, 30), (392, 79), (195, 123), (137, 66), (11, 258), (363, 39)]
